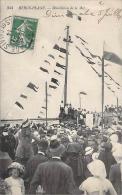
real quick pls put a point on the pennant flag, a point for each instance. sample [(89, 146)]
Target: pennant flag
[(61, 56), (112, 57), (60, 66), (47, 61), (56, 47), (44, 70), (55, 81), (113, 91), (59, 48), (23, 96), (62, 50), (50, 55), (83, 93), (52, 86), (69, 14), (18, 104), (57, 72), (43, 107), (33, 87)]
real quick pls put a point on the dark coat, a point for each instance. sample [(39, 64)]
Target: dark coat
[(55, 177), (108, 160), (32, 165), (115, 178)]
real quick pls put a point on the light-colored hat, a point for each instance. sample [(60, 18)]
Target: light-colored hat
[(97, 168), (25, 124), (16, 165), (114, 138), (88, 150), (54, 137), (95, 155)]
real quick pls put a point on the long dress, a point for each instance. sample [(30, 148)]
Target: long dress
[(14, 186)]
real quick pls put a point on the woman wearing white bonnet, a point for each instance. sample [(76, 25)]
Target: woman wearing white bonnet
[(97, 184), (115, 175), (116, 147)]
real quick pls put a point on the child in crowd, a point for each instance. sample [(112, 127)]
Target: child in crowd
[(14, 183)]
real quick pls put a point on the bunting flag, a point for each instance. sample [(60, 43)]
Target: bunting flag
[(50, 55), (61, 57), (71, 15), (83, 93), (23, 96), (47, 61), (110, 56), (81, 52), (44, 70), (32, 86), (94, 56), (19, 105), (55, 81), (43, 107), (57, 72), (60, 65), (52, 86), (96, 71), (90, 62), (41, 112), (78, 37), (59, 48)]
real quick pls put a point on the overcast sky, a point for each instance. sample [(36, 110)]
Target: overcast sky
[(19, 69)]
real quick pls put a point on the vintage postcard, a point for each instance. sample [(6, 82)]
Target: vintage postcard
[(61, 69)]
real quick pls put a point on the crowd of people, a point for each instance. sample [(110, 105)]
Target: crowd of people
[(60, 159)]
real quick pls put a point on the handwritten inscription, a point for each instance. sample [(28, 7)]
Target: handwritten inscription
[(82, 11)]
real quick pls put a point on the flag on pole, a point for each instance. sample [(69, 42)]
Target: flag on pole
[(47, 61), (23, 96), (32, 86), (44, 70), (50, 55), (111, 56), (55, 81), (83, 93), (19, 105), (57, 72), (60, 65), (52, 86)]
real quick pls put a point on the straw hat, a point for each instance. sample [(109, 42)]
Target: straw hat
[(88, 150)]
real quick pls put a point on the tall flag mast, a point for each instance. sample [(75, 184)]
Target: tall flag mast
[(103, 91), (46, 102), (66, 70)]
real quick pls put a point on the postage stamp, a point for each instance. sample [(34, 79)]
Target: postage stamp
[(17, 34), (23, 32)]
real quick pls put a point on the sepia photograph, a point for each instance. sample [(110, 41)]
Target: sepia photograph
[(60, 97)]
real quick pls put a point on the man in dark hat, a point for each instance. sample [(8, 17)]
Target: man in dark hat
[(54, 176), (33, 163)]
